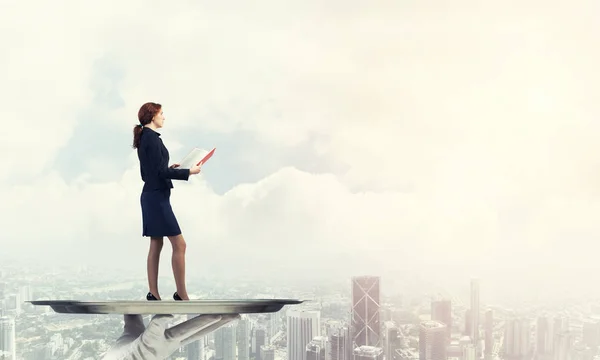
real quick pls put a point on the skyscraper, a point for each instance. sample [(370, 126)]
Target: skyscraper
[(365, 311), (317, 349), (267, 352), (259, 335), (591, 333), (475, 311), (544, 338), (563, 345), (560, 327), (390, 339), (432, 341), (8, 350), (516, 339), (469, 352), (302, 327), (468, 323), (195, 350), (489, 333), (225, 343), (243, 339), (441, 310), (340, 343), (273, 325)]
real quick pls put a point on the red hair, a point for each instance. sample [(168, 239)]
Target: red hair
[(145, 115)]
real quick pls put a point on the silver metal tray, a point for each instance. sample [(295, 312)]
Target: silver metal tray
[(167, 307)]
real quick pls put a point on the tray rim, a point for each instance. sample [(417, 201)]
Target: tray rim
[(122, 307), (205, 302)]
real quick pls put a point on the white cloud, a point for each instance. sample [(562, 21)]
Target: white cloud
[(473, 127)]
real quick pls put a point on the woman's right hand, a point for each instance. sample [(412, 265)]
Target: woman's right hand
[(195, 170)]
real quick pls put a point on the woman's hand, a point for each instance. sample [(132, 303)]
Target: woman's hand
[(174, 166), (195, 170)]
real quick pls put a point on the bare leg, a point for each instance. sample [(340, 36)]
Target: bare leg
[(156, 244), (178, 262)]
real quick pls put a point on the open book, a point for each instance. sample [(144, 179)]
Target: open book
[(196, 157)]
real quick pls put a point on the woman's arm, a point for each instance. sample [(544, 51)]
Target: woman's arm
[(157, 164)]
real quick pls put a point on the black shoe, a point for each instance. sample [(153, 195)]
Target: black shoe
[(150, 297), (176, 296)]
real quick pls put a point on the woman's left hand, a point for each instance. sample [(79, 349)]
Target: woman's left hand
[(174, 166)]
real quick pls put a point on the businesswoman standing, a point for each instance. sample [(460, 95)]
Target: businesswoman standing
[(158, 219)]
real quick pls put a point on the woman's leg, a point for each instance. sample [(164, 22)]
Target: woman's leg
[(178, 262), (156, 244)]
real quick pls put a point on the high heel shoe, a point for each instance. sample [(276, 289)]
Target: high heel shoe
[(150, 297), (177, 297)]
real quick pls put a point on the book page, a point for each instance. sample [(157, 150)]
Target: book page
[(194, 157)]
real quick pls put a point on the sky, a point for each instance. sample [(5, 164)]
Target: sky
[(450, 139)]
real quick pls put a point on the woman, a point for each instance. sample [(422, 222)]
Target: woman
[(157, 215)]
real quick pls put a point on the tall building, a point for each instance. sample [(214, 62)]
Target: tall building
[(366, 325), (516, 339), (317, 349), (25, 293), (563, 345), (543, 338), (441, 310), (560, 326), (273, 325), (243, 339), (475, 311), (267, 352), (591, 333), (432, 341), (469, 352), (302, 327), (468, 323), (8, 349), (13, 302), (340, 344), (390, 339), (195, 350), (259, 336), (225, 343), (489, 333)]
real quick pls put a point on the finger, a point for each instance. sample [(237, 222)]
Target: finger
[(161, 320), (158, 324), (209, 329), (190, 327)]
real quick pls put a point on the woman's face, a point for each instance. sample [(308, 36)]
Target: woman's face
[(159, 119)]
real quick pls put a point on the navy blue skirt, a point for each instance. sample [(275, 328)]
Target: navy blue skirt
[(158, 218)]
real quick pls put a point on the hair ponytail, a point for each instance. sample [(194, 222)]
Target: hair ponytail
[(145, 115), (137, 134)]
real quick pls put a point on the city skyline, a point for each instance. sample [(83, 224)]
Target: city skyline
[(418, 323)]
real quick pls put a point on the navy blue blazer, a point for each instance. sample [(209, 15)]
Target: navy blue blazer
[(154, 163)]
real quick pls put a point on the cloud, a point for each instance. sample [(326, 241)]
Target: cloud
[(294, 223), (44, 69), (460, 137)]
